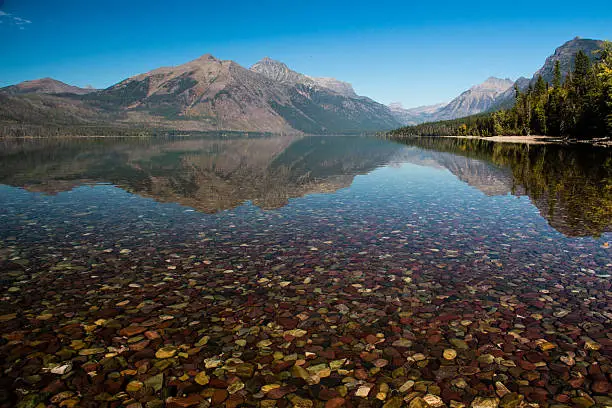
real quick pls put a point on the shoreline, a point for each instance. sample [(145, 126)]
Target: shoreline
[(515, 139), (530, 140)]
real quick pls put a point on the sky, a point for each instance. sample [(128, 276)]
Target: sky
[(392, 51)]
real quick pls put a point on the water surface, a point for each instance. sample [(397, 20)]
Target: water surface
[(325, 268)]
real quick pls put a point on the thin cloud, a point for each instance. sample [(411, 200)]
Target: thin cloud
[(13, 20)]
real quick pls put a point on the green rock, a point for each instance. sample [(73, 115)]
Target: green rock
[(245, 371), (399, 372), (134, 386), (156, 382), (203, 341), (235, 387), (201, 378), (92, 351), (33, 379), (434, 389), (30, 401), (300, 372), (582, 402), (486, 359), (418, 403), (482, 402), (165, 352), (420, 386), (511, 400), (460, 344), (163, 364), (395, 402), (155, 404), (105, 396), (65, 354), (302, 402)]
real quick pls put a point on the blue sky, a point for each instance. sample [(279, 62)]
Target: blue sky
[(414, 53)]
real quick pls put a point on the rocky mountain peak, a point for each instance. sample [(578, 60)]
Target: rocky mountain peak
[(494, 84), (204, 59), (565, 55), (279, 71)]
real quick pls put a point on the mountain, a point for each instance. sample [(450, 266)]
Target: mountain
[(203, 94), (564, 54), (210, 94), (414, 116), (496, 93), (505, 100), (45, 86), (477, 99), (280, 72), (47, 110), (206, 94)]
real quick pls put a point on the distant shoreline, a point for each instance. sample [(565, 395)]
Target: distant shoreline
[(531, 140), (515, 139)]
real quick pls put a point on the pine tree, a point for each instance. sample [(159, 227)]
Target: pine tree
[(579, 106), (557, 76), (604, 74)]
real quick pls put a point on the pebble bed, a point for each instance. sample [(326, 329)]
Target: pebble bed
[(409, 288)]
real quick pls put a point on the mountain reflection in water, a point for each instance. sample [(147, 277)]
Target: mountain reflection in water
[(570, 185)]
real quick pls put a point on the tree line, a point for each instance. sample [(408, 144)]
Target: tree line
[(577, 106)]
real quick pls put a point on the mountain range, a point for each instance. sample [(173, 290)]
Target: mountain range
[(495, 93), (564, 54), (205, 94), (208, 94)]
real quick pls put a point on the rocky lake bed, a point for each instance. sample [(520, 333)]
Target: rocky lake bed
[(305, 272)]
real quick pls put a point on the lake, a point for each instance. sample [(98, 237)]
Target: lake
[(304, 271)]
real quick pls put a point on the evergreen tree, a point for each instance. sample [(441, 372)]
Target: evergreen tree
[(557, 76), (580, 106)]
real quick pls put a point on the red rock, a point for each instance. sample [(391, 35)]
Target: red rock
[(526, 365), (335, 403), (327, 394), (219, 396), (361, 374), (90, 367), (288, 323), (54, 387), (563, 398), (601, 387), (132, 331), (368, 356), (282, 366), (151, 335), (234, 401), (371, 339), (434, 339), (328, 354), (181, 402), (576, 382), (217, 383), (141, 345), (278, 393)]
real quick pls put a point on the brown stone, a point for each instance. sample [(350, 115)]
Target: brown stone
[(219, 396), (182, 402), (335, 403), (132, 331)]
